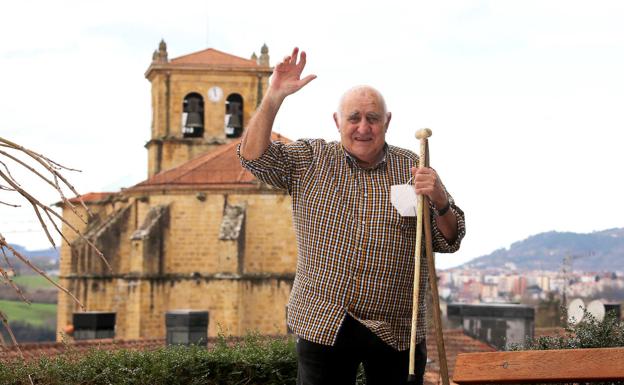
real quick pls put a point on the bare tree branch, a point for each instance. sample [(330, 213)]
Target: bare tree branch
[(27, 166), (43, 225), (38, 205), (6, 259), (7, 278), (49, 164), (55, 174), (8, 172), (56, 227), (75, 230), (17, 254), (7, 143), (57, 181), (2, 341), (34, 202), (5, 322)]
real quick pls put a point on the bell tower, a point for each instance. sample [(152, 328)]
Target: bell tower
[(201, 101)]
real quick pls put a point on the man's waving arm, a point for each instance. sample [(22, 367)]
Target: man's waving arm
[(285, 81)]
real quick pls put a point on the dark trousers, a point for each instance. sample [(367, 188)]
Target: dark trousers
[(337, 365)]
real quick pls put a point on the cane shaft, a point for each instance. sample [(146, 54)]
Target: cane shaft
[(417, 255), (435, 299), (433, 283), (416, 291)]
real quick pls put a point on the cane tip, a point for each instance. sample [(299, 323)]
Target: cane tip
[(423, 133), (411, 379)]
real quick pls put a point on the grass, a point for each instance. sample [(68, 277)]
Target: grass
[(34, 281), (36, 314)]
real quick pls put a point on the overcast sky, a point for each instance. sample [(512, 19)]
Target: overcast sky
[(525, 98)]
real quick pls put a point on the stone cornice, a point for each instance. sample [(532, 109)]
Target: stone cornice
[(266, 71), (288, 277)]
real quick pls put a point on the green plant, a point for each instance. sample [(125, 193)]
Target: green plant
[(589, 333), (254, 360)]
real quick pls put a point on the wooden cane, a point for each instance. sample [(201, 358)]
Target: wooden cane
[(433, 283), (422, 135)]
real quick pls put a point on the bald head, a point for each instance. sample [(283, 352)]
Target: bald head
[(361, 91), (362, 120)]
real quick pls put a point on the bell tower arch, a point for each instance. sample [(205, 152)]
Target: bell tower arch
[(200, 101)]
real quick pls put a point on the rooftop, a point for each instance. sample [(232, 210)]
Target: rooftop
[(218, 169), (455, 342), (214, 57), (92, 197)]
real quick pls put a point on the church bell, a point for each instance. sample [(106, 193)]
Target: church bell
[(194, 120), (194, 109), (234, 122)]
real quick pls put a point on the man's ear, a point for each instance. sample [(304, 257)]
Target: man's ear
[(337, 120), (388, 117)]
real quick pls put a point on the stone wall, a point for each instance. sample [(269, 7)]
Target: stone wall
[(184, 263)]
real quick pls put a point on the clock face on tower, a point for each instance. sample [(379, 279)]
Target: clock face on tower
[(215, 94)]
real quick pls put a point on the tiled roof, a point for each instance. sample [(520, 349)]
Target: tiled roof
[(92, 197), (215, 57), (220, 168), (455, 342)]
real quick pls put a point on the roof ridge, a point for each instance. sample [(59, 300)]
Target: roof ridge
[(200, 160), (213, 50), (193, 164), (219, 163), (91, 196)]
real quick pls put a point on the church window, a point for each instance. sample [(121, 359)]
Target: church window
[(193, 116), (234, 116)]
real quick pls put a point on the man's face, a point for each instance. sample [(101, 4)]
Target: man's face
[(362, 124)]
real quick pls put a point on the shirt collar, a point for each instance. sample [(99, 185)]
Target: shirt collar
[(353, 161)]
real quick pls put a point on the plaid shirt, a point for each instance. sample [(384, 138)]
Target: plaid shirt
[(355, 252)]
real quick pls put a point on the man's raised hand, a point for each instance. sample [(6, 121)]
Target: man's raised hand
[(286, 77), (286, 80)]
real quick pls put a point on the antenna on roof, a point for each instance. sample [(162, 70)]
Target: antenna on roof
[(207, 31), (576, 311), (597, 309)]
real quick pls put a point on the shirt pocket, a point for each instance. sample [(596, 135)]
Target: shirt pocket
[(394, 220)]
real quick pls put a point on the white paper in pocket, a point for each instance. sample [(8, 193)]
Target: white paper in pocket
[(404, 199)]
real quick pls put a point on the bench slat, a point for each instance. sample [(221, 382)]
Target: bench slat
[(533, 366)]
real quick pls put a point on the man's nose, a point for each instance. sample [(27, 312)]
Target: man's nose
[(363, 126)]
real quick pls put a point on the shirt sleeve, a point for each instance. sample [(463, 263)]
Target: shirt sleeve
[(280, 164), (440, 244)]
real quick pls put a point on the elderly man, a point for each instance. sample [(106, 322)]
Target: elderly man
[(351, 301)]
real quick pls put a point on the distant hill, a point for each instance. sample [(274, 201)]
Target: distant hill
[(47, 259), (48, 253), (597, 251)]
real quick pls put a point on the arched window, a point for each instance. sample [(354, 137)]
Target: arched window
[(193, 116), (234, 116)]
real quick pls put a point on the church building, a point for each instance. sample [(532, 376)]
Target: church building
[(200, 233)]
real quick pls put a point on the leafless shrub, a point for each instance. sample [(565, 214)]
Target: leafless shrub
[(14, 156)]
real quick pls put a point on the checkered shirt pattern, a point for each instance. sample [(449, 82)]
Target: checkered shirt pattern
[(355, 252)]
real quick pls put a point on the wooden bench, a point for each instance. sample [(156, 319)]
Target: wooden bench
[(540, 366)]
